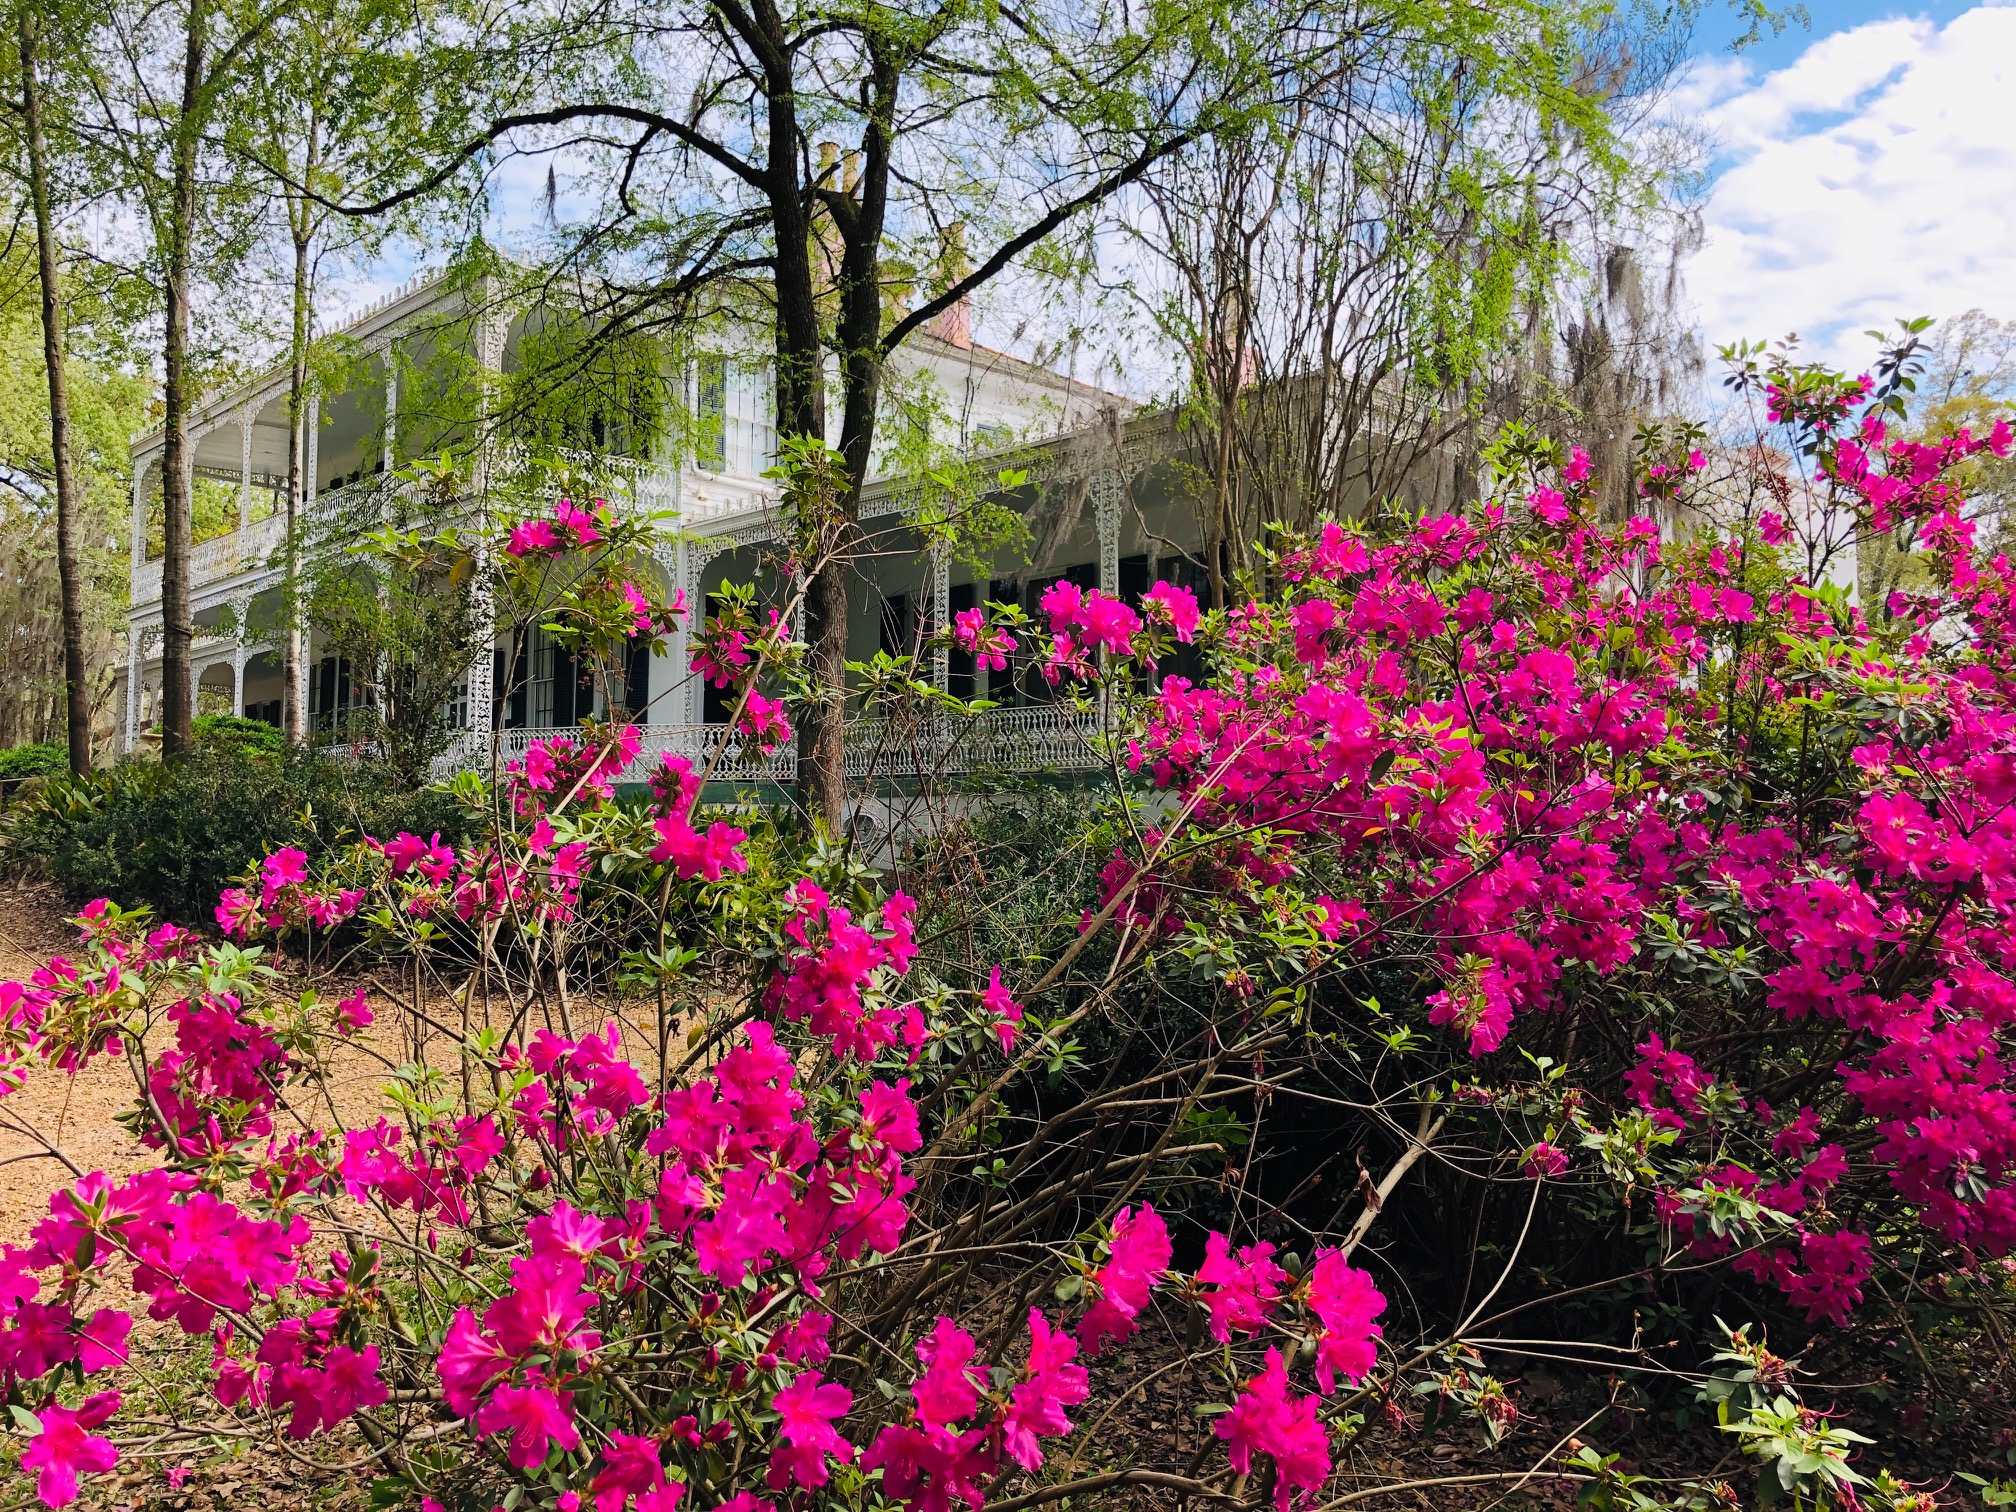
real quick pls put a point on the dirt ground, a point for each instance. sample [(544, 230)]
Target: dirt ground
[(76, 1111)]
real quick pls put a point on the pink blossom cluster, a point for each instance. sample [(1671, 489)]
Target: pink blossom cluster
[(562, 768), (69, 1010), (831, 964), (990, 645), (1137, 1258), (729, 647), (708, 855), (285, 899), (221, 1081), (751, 1192), (1909, 481), (763, 722), (1091, 619), (568, 528), (437, 1173), (1335, 731), (1240, 1292)]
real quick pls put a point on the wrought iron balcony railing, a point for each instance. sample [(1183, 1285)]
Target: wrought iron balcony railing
[(1034, 739)]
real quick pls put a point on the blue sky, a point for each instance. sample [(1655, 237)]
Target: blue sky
[(1827, 16), (1864, 169)]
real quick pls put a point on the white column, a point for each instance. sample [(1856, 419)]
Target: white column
[(391, 410), (138, 534), (1107, 492), (240, 653), (132, 684), (310, 460), (244, 476), (672, 558), (941, 615), (482, 676)]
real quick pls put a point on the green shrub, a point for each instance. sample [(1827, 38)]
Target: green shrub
[(246, 734), (42, 760), (176, 834)]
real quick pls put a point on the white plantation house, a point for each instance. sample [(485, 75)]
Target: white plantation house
[(1103, 497)]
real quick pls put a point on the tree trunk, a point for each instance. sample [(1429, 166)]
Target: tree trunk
[(822, 761), (178, 630), (294, 705), (69, 569), (801, 413)]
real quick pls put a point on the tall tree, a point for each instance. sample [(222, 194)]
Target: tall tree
[(331, 114), (709, 136), (107, 395), (166, 78), (49, 277), (1345, 286)]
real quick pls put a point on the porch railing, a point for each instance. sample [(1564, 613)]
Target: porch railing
[(1040, 738)]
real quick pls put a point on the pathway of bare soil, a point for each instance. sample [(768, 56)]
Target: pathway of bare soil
[(75, 1111)]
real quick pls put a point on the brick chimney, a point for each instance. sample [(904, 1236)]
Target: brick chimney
[(953, 325)]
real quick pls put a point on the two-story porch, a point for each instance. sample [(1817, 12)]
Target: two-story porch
[(720, 521)]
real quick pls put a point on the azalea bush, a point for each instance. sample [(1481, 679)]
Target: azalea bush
[(1629, 889)]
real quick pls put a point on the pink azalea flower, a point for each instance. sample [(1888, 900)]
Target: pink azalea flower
[(66, 1449), (947, 1390), (1267, 1418), (350, 1382), (1050, 1384), (694, 855), (642, 614), (1348, 1305), (764, 721), (1544, 1161), (803, 1341), (1136, 1259), (807, 1410), (101, 1343), (469, 1361), (570, 519), (1167, 604), (1005, 1011), (1549, 505), (1106, 624), (1061, 601), (889, 1117), (532, 538), (1244, 1290), (630, 1468), (536, 1417), (987, 644), (353, 1013), (284, 868)]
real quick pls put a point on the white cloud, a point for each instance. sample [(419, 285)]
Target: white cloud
[(1874, 177)]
